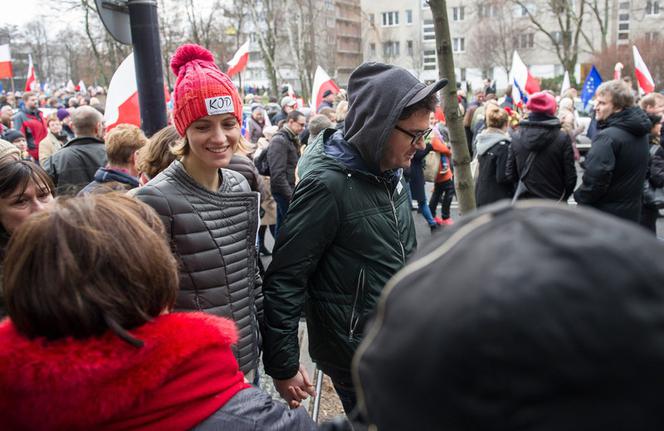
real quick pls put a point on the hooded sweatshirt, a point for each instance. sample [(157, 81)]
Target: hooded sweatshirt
[(617, 164), (492, 182), (552, 174)]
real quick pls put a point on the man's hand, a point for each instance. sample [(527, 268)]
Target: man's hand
[(295, 389)]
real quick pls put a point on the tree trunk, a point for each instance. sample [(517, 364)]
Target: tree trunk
[(463, 179)]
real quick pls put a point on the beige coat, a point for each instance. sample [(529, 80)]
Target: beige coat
[(47, 147)]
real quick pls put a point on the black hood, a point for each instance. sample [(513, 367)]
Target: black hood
[(632, 120), (377, 94), (533, 317), (538, 131)]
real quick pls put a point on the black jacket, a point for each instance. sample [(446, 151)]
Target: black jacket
[(282, 156), (492, 183), (656, 170), (562, 332), (617, 164), (75, 165), (552, 174)]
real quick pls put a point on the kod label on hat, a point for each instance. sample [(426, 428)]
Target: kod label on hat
[(219, 105)]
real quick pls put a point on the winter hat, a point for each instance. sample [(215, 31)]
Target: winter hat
[(288, 101), (561, 328), (201, 88), (12, 135), (62, 113), (542, 102), (7, 149)]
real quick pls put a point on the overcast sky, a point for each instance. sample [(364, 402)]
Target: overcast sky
[(20, 11)]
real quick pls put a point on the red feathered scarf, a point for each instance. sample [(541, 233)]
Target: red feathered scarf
[(184, 373)]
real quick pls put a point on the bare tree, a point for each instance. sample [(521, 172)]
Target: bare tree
[(463, 180), (566, 34), (599, 10), (171, 33), (491, 42), (266, 17)]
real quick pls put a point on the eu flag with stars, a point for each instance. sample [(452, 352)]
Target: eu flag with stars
[(593, 80)]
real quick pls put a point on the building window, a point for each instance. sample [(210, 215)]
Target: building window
[(372, 50), (372, 18), (487, 10), (623, 26), (522, 10), (409, 44), (429, 61), (458, 13), (458, 45), (524, 41), (428, 32), (623, 17), (390, 19), (652, 36), (557, 37), (462, 74), (623, 36), (652, 7), (409, 16), (425, 4), (390, 49), (624, 5)]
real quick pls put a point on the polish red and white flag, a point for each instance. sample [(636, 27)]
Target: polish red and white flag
[(5, 62), (122, 99), (31, 82), (322, 83), (239, 61), (643, 76)]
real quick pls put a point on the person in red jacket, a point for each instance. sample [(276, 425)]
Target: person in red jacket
[(443, 190), (91, 342), (30, 121)]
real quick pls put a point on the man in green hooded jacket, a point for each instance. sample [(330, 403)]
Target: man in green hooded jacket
[(348, 229)]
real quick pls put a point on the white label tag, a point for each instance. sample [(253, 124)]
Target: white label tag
[(399, 187), (219, 105)]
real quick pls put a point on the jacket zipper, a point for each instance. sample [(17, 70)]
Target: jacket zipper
[(359, 291), (396, 224)]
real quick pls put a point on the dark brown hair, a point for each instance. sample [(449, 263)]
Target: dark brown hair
[(157, 155), (87, 265), (16, 175), (427, 104)]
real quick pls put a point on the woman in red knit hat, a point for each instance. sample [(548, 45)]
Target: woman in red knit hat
[(210, 213), (90, 343)]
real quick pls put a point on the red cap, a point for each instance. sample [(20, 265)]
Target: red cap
[(201, 88), (542, 102)]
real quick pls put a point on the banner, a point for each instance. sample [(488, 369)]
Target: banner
[(593, 80)]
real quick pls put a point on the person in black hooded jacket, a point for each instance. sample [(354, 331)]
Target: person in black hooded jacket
[(563, 332), (492, 150), (552, 174), (617, 163)]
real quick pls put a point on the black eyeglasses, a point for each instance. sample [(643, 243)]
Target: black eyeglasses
[(416, 136)]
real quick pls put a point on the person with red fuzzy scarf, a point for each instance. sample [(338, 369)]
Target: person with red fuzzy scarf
[(91, 344)]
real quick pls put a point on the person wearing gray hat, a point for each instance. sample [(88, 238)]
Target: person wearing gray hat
[(348, 229)]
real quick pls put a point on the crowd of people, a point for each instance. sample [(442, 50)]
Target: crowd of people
[(135, 295)]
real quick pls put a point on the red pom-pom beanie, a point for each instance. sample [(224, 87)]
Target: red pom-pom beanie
[(201, 88)]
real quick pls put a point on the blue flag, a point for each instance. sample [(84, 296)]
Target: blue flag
[(593, 80), (2, 89)]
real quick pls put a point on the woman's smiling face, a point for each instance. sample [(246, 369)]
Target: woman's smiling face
[(213, 140)]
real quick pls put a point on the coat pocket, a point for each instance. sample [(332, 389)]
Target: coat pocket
[(358, 299)]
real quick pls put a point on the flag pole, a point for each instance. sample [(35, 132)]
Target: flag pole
[(239, 77)]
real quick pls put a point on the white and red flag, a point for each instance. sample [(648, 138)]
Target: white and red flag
[(643, 76), (122, 99), (523, 82), (239, 61), (81, 87), (617, 70), (5, 62), (322, 82), (70, 86), (31, 83)]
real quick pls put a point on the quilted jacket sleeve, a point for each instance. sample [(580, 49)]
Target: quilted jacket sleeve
[(310, 227), (155, 198)]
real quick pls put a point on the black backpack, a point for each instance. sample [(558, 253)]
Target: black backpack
[(261, 163)]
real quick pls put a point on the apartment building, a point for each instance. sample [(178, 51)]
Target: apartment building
[(485, 33)]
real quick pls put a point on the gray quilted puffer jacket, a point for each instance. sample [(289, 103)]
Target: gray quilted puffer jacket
[(213, 235)]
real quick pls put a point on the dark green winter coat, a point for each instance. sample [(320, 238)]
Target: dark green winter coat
[(346, 233)]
